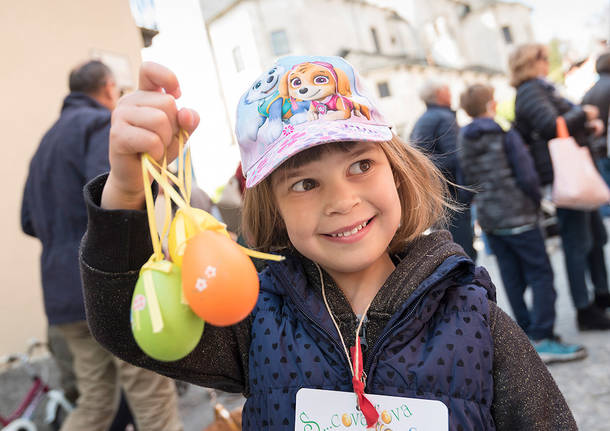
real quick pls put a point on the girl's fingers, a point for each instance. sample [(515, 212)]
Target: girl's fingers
[(136, 140), (161, 101), (154, 77), (153, 109), (152, 119)]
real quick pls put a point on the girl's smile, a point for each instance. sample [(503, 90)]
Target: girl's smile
[(351, 233), (342, 209)]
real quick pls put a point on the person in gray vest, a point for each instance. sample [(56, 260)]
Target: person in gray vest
[(497, 165)]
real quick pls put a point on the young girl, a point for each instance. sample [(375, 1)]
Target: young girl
[(364, 302)]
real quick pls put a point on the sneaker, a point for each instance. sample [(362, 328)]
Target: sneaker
[(592, 318), (551, 350), (602, 300)]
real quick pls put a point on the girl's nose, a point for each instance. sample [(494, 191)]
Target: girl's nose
[(341, 198)]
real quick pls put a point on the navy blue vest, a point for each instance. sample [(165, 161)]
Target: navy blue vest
[(437, 346)]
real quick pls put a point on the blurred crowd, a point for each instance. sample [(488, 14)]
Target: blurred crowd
[(499, 176)]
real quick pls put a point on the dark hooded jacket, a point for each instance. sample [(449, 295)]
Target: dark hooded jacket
[(433, 331), (435, 133), (537, 107), (71, 153), (499, 168)]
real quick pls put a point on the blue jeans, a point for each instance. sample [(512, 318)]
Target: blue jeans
[(523, 261), (462, 231), (583, 236), (603, 165)]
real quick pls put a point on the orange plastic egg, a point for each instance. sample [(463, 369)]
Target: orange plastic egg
[(219, 281)]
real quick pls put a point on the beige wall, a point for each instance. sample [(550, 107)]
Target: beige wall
[(40, 42)]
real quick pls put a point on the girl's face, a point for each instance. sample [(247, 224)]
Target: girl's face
[(342, 210)]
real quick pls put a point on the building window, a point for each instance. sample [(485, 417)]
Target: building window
[(238, 60), (463, 10), (279, 42), (508, 37), (383, 88), (375, 39)]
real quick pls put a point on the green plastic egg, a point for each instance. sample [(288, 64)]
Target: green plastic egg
[(166, 329)]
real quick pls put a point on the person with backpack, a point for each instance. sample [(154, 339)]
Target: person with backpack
[(498, 167)]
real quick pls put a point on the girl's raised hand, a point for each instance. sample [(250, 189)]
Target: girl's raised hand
[(146, 121)]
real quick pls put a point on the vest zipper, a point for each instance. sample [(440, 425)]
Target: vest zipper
[(363, 339), (409, 313), (313, 321), (373, 352)]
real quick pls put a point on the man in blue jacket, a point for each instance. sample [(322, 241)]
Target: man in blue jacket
[(435, 132), (72, 152)]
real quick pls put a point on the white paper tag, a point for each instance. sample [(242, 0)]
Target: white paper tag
[(320, 410)]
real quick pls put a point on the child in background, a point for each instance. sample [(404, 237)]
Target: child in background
[(347, 203), (499, 167)]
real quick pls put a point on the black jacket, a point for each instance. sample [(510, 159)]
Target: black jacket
[(435, 132), (498, 166), (537, 107), (599, 95), (71, 153)]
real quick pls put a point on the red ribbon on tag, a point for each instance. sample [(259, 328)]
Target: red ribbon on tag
[(366, 407)]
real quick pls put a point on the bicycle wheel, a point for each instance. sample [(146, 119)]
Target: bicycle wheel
[(58, 418)]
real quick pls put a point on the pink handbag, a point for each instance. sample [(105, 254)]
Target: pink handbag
[(577, 184)]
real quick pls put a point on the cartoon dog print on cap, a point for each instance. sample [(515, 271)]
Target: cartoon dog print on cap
[(326, 87)]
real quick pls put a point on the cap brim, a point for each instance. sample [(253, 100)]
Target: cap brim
[(296, 138)]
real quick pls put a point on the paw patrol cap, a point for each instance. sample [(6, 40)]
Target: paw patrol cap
[(299, 103)]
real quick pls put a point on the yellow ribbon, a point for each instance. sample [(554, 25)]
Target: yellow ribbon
[(154, 309), (183, 181), (157, 261), (150, 205), (202, 220)]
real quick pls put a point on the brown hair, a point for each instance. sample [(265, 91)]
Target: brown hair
[(522, 62), (421, 188), (475, 99), (89, 77)]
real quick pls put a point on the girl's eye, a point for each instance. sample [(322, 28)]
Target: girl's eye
[(258, 84), (295, 82), (360, 167), (304, 185), (320, 80)]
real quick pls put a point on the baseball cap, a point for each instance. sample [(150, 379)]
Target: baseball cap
[(301, 102)]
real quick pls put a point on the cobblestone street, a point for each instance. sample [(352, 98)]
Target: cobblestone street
[(585, 384)]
